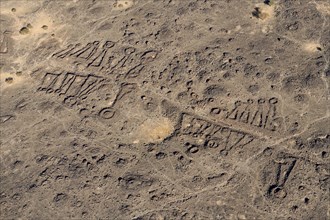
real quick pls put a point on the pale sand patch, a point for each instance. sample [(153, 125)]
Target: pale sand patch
[(40, 24), (323, 7), (153, 130), (265, 15), (266, 12), (311, 47), (8, 80), (29, 32), (29, 25), (20, 8), (123, 4)]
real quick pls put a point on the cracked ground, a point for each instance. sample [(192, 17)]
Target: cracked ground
[(164, 109)]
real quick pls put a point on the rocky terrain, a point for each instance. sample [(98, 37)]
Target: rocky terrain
[(164, 109)]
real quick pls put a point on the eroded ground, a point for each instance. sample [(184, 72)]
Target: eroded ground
[(165, 109)]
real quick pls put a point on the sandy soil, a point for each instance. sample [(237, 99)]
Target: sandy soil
[(164, 109)]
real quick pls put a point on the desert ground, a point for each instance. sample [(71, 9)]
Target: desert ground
[(164, 109)]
